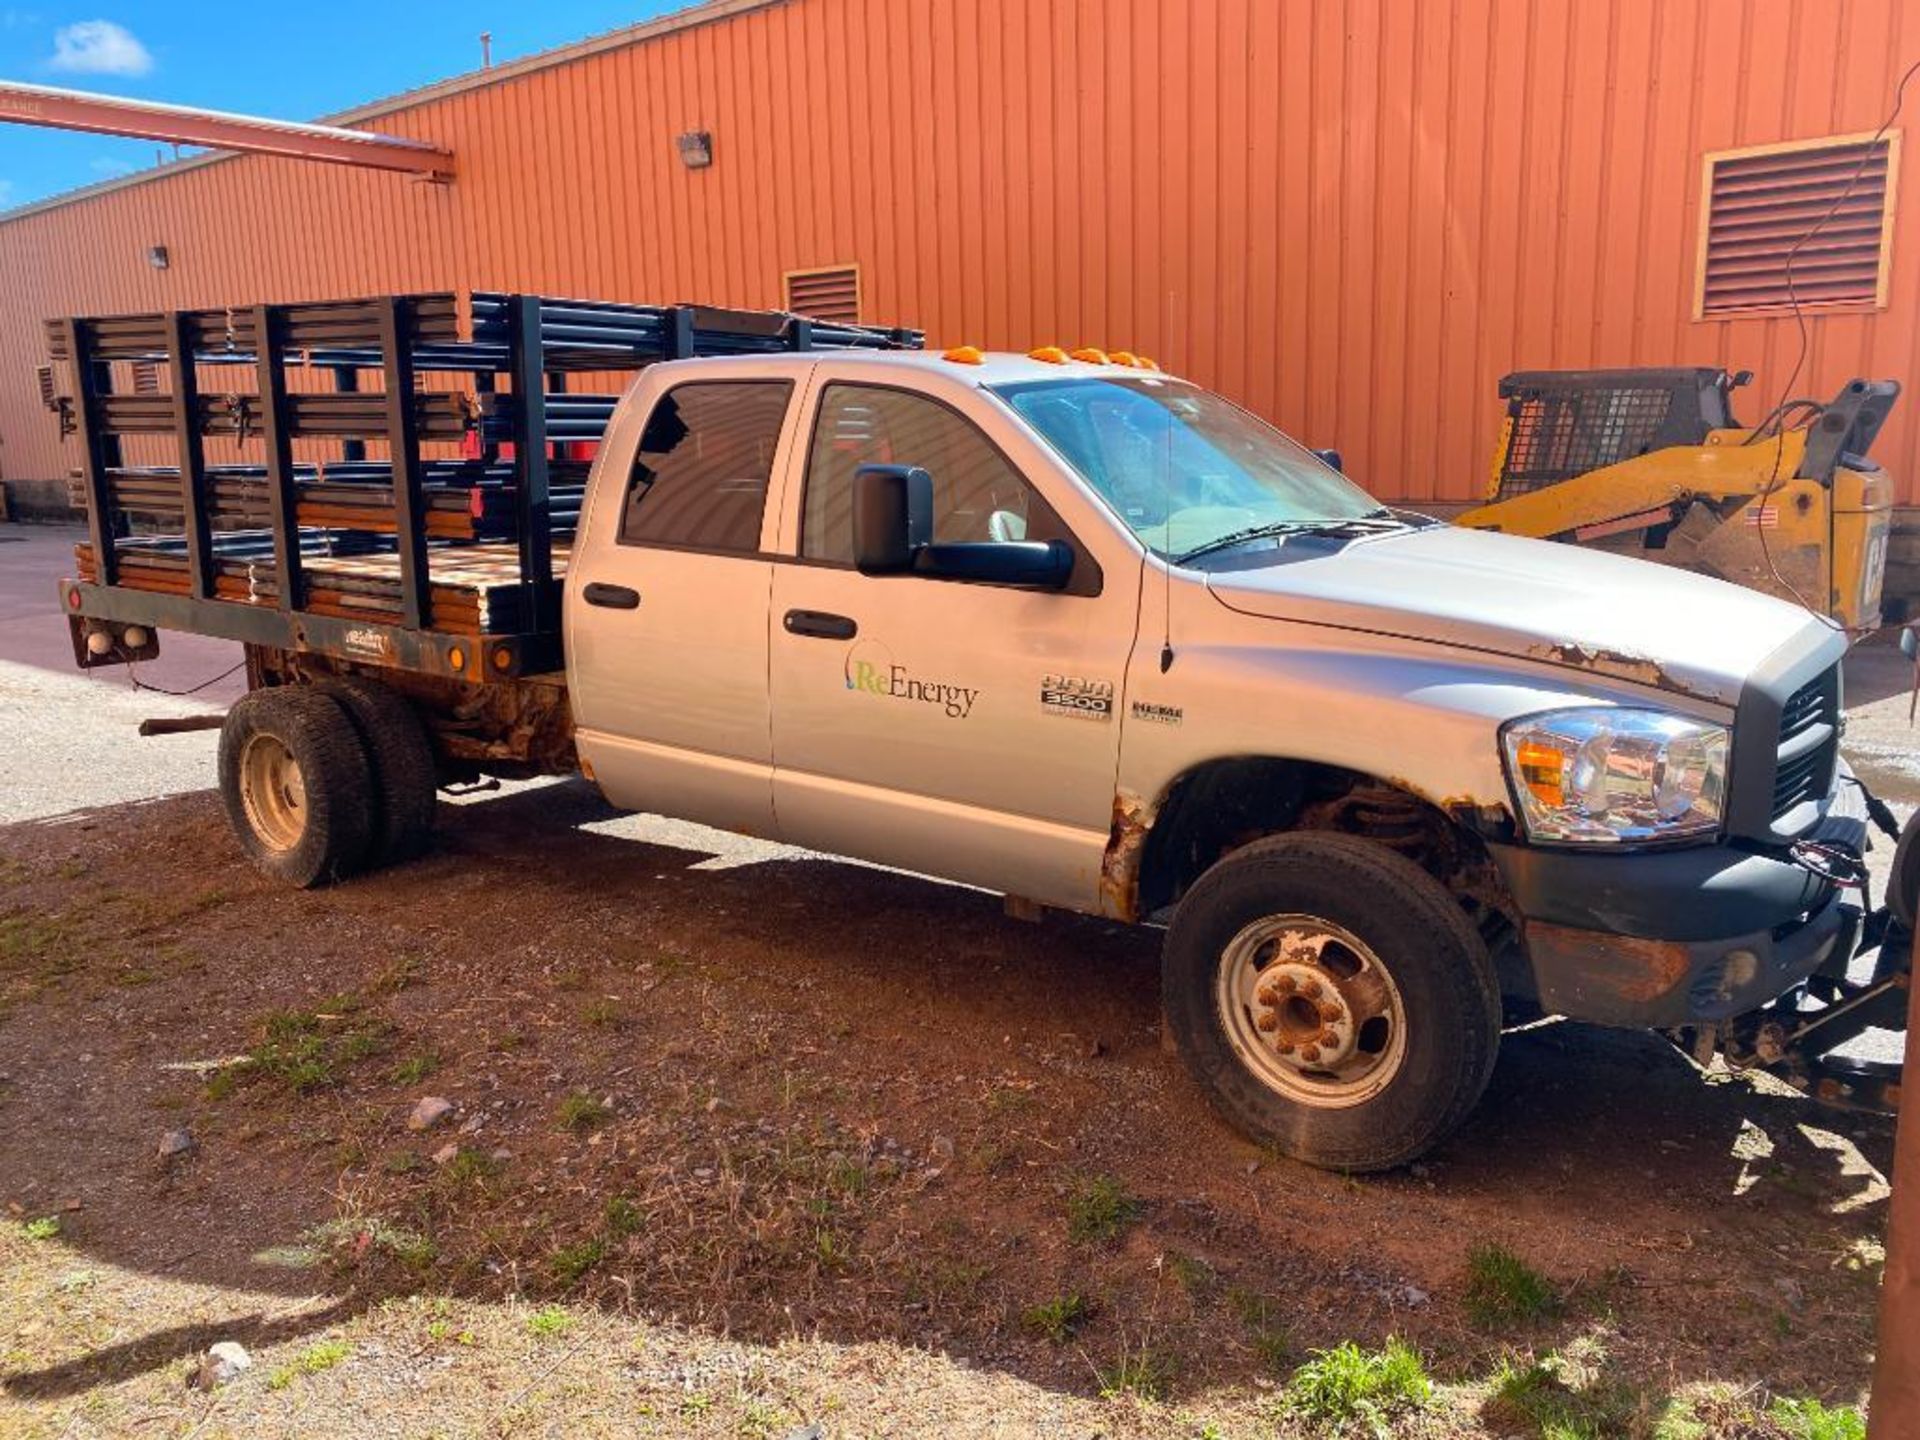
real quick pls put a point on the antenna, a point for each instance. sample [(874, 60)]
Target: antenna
[(1166, 497)]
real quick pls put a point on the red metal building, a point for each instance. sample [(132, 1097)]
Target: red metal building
[(1353, 217)]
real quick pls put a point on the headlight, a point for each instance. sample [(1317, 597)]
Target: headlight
[(1611, 777)]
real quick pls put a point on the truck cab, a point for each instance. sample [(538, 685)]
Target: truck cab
[(1083, 633)]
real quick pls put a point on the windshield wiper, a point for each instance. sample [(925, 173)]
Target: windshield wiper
[(1382, 518)]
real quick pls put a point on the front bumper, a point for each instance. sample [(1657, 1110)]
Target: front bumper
[(1680, 937)]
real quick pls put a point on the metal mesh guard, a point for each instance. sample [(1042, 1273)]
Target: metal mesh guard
[(1557, 436)]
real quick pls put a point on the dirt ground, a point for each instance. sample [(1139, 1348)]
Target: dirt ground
[(738, 1147)]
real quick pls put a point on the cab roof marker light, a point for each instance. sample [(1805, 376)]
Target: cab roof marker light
[(1126, 358), (965, 355), (1090, 356), (1049, 355), (1147, 362)]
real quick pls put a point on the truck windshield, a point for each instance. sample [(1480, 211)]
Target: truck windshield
[(1188, 471)]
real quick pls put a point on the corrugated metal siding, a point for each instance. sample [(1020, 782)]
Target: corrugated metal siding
[(1350, 217)]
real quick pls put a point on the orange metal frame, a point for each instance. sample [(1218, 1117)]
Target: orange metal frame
[(218, 130)]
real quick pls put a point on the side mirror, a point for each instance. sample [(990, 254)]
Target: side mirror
[(1909, 642), (892, 517), (1331, 459), (893, 535)]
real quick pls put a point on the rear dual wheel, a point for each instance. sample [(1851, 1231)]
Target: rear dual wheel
[(323, 780)]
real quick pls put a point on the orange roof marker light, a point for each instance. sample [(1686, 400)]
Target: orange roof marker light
[(1146, 362), (1126, 358), (965, 355), (1090, 355), (1049, 354)]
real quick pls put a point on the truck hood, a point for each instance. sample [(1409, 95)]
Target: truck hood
[(1582, 609)]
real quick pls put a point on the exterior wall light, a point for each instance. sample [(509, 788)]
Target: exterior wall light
[(696, 149)]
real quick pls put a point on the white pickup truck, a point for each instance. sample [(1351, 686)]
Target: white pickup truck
[(1087, 635)]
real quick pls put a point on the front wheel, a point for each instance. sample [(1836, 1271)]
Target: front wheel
[(1332, 999)]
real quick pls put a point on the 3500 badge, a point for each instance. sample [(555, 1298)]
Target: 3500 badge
[(1082, 699)]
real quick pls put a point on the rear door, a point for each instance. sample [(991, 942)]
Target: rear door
[(667, 601)]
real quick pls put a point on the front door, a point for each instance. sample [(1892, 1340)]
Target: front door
[(966, 730), (667, 611)]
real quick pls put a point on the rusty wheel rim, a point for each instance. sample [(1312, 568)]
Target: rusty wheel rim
[(1311, 1010), (273, 792)]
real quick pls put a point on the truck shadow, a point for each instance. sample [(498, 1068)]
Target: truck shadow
[(761, 1094)]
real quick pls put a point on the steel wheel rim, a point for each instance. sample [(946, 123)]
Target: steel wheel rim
[(1311, 1010), (273, 792)]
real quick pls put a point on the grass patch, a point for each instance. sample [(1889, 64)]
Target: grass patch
[(43, 1228), (1099, 1209), (1365, 1389), (1504, 1291), (622, 1217), (356, 1239), (307, 1050), (1808, 1419), (580, 1112), (1272, 1346), (550, 1322), (1058, 1319), (415, 1068), (1142, 1374), (319, 1356), (607, 1013), (1548, 1395), (575, 1260)]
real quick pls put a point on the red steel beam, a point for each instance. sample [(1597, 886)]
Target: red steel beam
[(217, 130)]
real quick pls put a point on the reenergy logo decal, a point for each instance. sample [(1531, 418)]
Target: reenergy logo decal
[(870, 670)]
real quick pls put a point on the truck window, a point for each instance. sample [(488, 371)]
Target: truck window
[(700, 479), (977, 494)]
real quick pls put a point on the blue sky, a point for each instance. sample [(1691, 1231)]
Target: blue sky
[(261, 57)]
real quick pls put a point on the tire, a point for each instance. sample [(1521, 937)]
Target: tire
[(1415, 1003), (316, 829), (1903, 881), (405, 779)]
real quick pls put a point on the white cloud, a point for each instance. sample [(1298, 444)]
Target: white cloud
[(99, 47), (6, 193), (111, 168)]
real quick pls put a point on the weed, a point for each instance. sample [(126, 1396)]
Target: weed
[(355, 1238), (1549, 1393), (1349, 1386), (1058, 1319), (1273, 1348), (693, 1406), (1144, 1374), (606, 1012), (1196, 1277), (321, 1355), (550, 1322), (44, 1228), (403, 972), (403, 1162), (415, 1068), (1099, 1208), (580, 1112), (1808, 1419), (1503, 1290), (575, 1260), (305, 1049), (469, 1167), (622, 1217)]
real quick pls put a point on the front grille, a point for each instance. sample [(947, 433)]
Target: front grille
[(1809, 743)]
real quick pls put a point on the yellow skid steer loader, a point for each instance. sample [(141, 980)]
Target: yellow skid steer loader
[(1651, 463)]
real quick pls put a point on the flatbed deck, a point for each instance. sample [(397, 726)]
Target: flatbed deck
[(273, 525)]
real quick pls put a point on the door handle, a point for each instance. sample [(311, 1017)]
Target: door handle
[(613, 597), (820, 625)]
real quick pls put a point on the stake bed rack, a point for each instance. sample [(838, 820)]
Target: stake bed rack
[(449, 564)]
